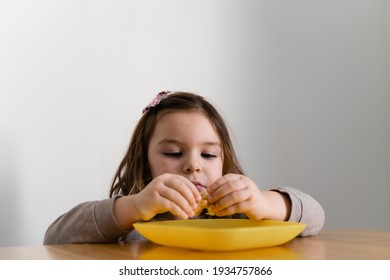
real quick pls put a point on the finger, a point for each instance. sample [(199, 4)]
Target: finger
[(157, 199), (186, 189), (170, 206), (227, 187), (242, 207), (221, 181), (182, 185), (194, 190), (172, 199), (231, 201)]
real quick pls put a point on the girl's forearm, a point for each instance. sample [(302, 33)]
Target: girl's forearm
[(280, 206)]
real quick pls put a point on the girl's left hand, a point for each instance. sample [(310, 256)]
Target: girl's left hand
[(235, 193)]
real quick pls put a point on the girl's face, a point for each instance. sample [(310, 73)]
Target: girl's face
[(185, 143)]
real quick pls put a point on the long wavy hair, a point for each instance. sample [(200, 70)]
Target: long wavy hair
[(133, 173)]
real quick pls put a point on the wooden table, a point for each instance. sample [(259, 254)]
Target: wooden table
[(349, 244)]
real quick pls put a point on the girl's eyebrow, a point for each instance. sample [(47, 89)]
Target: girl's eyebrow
[(168, 141), (174, 141)]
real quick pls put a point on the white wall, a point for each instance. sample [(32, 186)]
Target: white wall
[(303, 85)]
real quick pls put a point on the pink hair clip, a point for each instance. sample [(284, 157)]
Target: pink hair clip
[(159, 97)]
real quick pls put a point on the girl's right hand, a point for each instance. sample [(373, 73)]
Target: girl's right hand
[(167, 193)]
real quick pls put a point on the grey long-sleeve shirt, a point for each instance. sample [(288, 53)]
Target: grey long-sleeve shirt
[(94, 221)]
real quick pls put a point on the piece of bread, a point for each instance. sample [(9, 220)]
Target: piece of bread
[(204, 204)]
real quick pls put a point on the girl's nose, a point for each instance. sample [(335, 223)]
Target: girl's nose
[(191, 165)]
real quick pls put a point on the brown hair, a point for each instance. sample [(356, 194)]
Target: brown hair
[(133, 173)]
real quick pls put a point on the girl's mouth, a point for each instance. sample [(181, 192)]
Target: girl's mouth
[(199, 186)]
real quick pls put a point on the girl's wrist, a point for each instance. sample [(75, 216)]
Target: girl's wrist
[(279, 206), (125, 212)]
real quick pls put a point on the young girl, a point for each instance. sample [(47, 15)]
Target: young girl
[(180, 148)]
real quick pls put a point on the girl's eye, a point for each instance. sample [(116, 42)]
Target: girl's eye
[(173, 154), (206, 155)]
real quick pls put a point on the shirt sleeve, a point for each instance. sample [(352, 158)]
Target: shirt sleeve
[(304, 209), (88, 222)]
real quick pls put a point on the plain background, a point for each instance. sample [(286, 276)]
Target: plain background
[(303, 85)]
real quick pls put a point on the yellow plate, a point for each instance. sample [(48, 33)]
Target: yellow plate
[(219, 234)]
